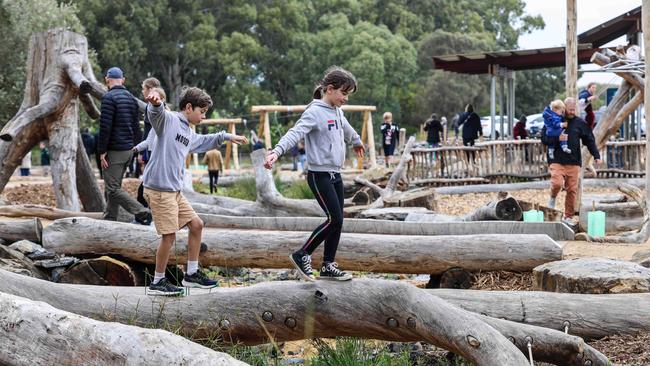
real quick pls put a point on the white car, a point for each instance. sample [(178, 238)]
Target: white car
[(486, 125), (534, 124)]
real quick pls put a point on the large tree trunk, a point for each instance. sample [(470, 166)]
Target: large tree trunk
[(35, 333), (588, 316), (92, 198), (555, 230), (58, 70), (375, 309), (269, 201), (15, 230), (270, 249)]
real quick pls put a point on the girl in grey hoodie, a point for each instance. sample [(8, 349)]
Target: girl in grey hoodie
[(326, 132)]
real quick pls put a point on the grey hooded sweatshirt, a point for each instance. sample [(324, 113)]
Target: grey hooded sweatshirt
[(326, 131), (173, 142)]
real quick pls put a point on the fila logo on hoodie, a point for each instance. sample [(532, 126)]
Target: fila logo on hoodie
[(332, 123)]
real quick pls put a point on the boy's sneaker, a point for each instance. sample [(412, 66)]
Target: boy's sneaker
[(330, 271), (164, 288), (551, 153), (302, 261), (566, 150), (198, 280)]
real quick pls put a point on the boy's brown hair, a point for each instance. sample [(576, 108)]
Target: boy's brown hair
[(151, 83), (196, 97)]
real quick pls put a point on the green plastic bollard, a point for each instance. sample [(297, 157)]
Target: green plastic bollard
[(596, 224), (533, 216)]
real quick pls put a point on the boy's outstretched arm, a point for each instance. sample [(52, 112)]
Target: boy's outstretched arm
[(157, 114)]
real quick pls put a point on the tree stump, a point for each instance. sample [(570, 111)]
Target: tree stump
[(592, 276), (103, 271), (59, 77), (15, 230)]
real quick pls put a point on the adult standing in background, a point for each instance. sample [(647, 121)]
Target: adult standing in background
[(119, 132), (472, 130), (214, 161), (586, 98), (434, 130), (390, 136), (519, 131)]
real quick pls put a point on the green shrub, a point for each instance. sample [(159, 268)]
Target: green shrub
[(355, 352)]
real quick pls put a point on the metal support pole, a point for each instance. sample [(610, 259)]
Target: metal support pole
[(501, 104)]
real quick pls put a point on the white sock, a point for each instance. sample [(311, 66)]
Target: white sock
[(158, 276), (192, 267)]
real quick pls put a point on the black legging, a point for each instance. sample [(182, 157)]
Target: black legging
[(213, 177), (328, 190)]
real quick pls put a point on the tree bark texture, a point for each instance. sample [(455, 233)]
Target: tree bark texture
[(57, 66), (270, 249), (284, 311), (35, 333), (16, 230), (44, 212), (554, 230), (588, 316)]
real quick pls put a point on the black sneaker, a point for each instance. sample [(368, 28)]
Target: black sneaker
[(199, 280), (144, 219), (164, 288), (302, 261), (330, 271)]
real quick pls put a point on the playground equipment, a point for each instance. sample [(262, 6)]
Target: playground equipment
[(367, 133)]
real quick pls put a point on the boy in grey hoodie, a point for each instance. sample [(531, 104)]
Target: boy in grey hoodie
[(163, 181), (325, 131)]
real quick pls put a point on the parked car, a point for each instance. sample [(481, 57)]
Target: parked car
[(534, 124), (486, 125)]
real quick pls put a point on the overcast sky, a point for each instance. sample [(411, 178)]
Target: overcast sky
[(590, 14)]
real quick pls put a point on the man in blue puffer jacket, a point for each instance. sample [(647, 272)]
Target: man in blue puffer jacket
[(119, 131)]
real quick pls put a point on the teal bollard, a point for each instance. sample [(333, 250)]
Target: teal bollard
[(533, 216), (596, 224)]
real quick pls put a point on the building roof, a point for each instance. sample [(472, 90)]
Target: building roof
[(588, 43)]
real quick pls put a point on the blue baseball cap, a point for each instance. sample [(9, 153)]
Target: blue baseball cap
[(114, 73)]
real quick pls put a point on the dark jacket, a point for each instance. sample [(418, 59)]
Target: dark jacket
[(519, 131), (577, 131), (389, 132), (471, 123), (119, 127), (434, 131), (89, 142)]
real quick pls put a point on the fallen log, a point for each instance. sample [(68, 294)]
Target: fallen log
[(554, 230), (511, 187), (22, 262), (396, 198), (622, 216), (44, 212), (588, 316), (16, 230), (284, 311), (637, 236), (35, 333), (269, 201), (504, 208), (269, 249)]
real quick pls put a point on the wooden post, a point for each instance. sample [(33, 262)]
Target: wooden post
[(226, 163), (371, 140), (235, 147), (267, 131), (645, 16), (364, 136), (571, 51), (260, 128)]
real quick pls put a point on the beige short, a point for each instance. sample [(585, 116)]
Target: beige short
[(170, 210)]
